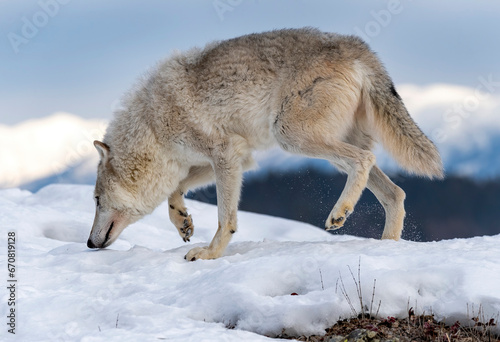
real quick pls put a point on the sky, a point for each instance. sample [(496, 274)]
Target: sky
[(81, 56)]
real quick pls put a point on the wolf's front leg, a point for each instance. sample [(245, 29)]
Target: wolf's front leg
[(228, 177), (179, 215)]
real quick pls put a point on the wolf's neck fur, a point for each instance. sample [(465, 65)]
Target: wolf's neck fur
[(145, 167)]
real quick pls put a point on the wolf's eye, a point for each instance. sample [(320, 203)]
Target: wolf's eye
[(97, 200)]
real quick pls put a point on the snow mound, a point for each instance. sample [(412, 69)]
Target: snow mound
[(141, 288)]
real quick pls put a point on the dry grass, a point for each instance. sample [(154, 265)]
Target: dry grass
[(412, 328), (365, 325)]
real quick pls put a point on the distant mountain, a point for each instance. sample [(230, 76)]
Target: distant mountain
[(82, 173), (52, 149), (463, 122)]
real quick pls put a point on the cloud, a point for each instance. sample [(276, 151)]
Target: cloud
[(462, 121)]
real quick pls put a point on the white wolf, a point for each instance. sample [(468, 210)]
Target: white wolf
[(197, 116)]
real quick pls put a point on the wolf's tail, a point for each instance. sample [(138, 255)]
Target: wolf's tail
[(399, 134)]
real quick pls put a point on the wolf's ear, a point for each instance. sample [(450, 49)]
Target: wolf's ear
[(102, 148)]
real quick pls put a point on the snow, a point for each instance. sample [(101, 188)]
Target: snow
[(141, 288)]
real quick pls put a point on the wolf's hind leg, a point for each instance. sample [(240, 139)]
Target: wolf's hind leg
[(392, 199), (198, 175), (351, 159), (316, 125), (357, 163)]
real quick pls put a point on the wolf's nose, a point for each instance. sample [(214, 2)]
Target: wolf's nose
[(90, 244)]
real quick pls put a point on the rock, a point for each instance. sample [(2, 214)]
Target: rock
[(358, 335), (337, 339), (361, 335)]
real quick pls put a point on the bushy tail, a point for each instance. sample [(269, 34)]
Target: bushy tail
[(400, 135)]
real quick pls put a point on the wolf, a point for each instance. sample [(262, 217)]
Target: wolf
[(196, 117)]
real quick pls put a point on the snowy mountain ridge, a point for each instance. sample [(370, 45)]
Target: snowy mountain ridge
[(48, 147)]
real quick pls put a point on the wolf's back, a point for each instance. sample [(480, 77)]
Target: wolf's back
[(399, 134)]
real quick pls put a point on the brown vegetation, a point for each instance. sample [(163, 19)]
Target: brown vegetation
[(413, 328)]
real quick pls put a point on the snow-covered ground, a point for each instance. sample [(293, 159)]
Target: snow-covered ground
[(142, 289)]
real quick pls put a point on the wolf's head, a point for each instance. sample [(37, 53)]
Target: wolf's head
[(114, 210), (129, 185)]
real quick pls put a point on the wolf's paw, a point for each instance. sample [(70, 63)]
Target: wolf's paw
[(337, 218), (187, 228), (200, 253), (182, 221)]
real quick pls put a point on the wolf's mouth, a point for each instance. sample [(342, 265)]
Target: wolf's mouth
[(108, 233)]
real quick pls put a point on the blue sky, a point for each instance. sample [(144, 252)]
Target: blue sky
[(80, 56)]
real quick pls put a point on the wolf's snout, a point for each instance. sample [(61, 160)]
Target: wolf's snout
[(106, 228), (107, 239), (90, 244)]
